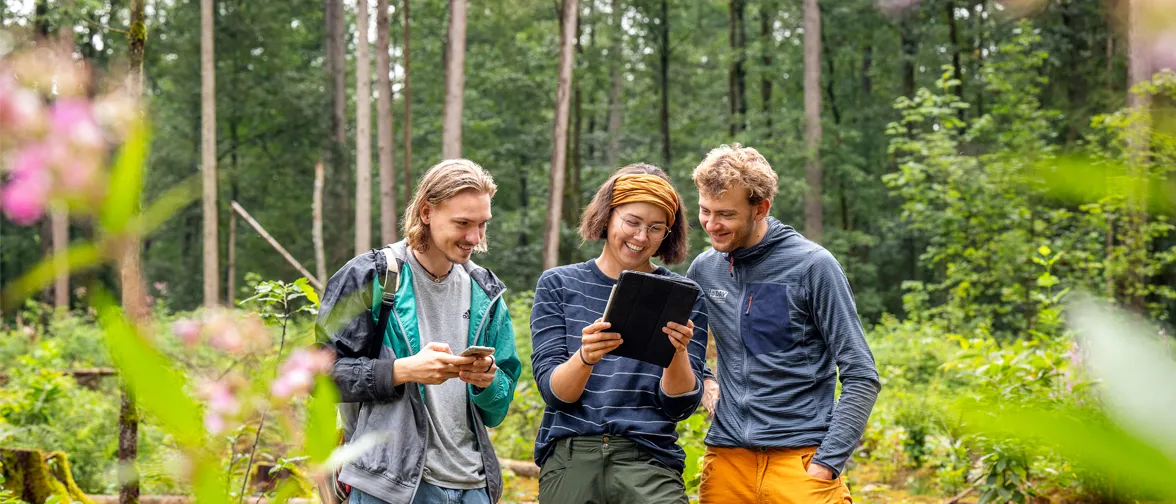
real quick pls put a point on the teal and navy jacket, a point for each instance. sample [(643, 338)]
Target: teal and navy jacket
[(363, 369)]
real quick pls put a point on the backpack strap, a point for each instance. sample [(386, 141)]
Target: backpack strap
[(390, 281)]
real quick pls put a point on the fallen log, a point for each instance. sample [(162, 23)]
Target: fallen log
[(34, 476)]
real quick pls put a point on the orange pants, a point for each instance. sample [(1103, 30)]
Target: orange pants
[(768, 476)]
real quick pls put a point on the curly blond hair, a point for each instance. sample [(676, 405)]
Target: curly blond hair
[(728, 165), (442, 182)]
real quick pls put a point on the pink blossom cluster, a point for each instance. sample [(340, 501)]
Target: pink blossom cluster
[(298, 372), (54, 140), (220, 403), (225, 330)]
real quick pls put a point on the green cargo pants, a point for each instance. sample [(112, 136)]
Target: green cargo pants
[(607, 470)]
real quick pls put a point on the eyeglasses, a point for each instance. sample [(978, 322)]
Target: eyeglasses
[(656, 232)]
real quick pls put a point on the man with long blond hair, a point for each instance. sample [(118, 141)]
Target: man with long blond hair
[(398, 319), (787, 329)]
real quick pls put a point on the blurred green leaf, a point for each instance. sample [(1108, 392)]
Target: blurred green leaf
[(81, 257), (1085, 439), (157, 389), (1081, 179), (1130, 359), (210, 485), (126, 180), (287, 490), (321, 434)]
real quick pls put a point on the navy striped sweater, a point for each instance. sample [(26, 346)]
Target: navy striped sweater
[(623, 397)]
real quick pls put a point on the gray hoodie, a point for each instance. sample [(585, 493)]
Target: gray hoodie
[(785, 324)]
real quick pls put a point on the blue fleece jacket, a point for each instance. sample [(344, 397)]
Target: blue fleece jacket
[(786, 326)]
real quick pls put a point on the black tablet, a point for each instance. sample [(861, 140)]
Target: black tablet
[(639, 307)]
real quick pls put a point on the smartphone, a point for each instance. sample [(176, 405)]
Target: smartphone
[(477, 351)]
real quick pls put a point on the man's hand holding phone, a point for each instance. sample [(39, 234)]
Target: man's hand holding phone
[(479, 373), (433, 365)]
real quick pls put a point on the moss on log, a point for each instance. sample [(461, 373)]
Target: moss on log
[(36, 477)]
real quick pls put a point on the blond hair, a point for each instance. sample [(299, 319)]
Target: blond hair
[(728, 165), (442, 182)]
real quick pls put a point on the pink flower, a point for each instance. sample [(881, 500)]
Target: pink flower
[(73, 120), (161, 287), (24, 199), (214, 423), (20, 111), (188, 331), (219, 397), (298, 372)]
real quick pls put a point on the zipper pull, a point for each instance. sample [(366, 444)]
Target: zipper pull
[(749, 298), (731, 268)]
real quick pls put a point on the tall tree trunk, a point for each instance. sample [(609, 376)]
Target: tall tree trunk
[(618, 83), (385, 133), (363, 133), (339, 173), (813, 214), (953, 35), (736, 81), (1139, 69), (664, 113), (59, 215), (131, 278), (560, 136), (867, 85), (767, 46), (231, 274), (454, 81), (208, 155), (407, 107), (1076, 88), (910, 48), (316, 224), (572, 201), (828, 53)]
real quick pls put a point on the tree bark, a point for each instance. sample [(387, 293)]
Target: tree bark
[(454, 81), (560, 136), (59, 215), (736, 82), (385, 133), (618, 84), (339, 171), (208, 155), (664, 113), (316, 230), (407, 107), (231, 275), (910, 48), (828, 53), (813, 216), (1138, 70), (363, 133), (131, 279), (953, 35)]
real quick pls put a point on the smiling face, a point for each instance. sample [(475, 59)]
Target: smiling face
[(457, 226), (633, 231), (730, 219)]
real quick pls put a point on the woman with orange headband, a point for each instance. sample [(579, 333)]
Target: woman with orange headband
[(609, 429)]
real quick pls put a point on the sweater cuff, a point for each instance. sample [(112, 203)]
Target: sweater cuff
[(383, 379)]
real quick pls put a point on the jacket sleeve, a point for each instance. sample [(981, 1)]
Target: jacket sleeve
[(494, 401), (346, 325), (549, 341), (835, 314), (680, 407)]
